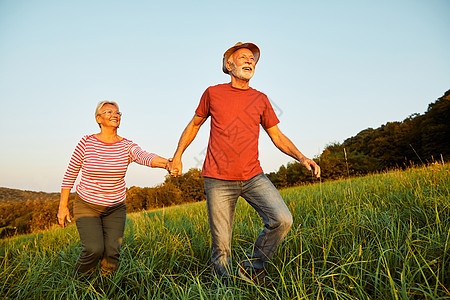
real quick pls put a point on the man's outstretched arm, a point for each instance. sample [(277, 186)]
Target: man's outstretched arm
[(286, 146), (188, 135)]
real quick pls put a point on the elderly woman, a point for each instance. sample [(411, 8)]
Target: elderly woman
[(99, 208)]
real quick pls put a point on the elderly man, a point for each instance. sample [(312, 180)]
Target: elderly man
[(232, 169)]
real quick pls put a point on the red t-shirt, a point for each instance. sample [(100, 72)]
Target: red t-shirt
[(233, 142)]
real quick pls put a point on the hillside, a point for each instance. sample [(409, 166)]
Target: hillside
[(419, 139), (7, 195), (383, 236), (26, 211)]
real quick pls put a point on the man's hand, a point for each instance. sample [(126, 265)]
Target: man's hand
[(176, 167), (311, 166)]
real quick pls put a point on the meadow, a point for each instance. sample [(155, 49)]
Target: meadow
[(383, 236)]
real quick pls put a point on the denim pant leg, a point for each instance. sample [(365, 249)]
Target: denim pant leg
[(221, 199), (262, 195)]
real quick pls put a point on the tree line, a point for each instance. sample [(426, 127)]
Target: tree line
[(23, 212), (419, 139)]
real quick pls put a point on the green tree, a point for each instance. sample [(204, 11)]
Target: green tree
[(435, 129), (190, 184)]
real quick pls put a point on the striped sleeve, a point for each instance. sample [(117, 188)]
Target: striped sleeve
[(74, 165), (140, 156)]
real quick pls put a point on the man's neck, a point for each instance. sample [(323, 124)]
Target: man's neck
[(239, 83)]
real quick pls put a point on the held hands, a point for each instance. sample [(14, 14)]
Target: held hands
[(311, 166), (174, 167)]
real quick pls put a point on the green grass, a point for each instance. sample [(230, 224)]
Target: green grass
[(384, 236)]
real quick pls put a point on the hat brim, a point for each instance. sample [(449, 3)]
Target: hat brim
[(252, 47)]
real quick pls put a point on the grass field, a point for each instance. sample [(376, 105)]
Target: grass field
[(384, 236)]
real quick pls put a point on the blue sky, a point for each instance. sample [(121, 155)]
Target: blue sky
[(331, 69)]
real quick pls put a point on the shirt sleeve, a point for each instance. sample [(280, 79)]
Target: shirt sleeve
[(74, 165), (269, 118), (203, 107), (140, 156)]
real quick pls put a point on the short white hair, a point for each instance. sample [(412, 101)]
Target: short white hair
[(103, 103), (99, 107)]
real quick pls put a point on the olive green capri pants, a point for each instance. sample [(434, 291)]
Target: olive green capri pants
[(101, 231)]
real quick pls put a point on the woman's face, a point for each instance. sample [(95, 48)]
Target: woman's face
[(109, 116)]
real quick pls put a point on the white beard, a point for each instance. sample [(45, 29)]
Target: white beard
[(241, 74)]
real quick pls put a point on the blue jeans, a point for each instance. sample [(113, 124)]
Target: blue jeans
[(260, 193)]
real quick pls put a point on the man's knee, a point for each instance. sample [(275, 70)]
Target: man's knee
[(285, 220)]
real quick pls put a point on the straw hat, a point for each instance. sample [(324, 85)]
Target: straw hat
[(239, 45)]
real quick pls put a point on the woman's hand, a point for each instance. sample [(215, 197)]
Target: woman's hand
[(63, 215), (63, 211)]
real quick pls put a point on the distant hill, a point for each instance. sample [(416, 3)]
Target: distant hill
[(26, 211), (14, 195)]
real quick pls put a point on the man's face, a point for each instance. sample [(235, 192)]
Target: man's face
[(242, 64)]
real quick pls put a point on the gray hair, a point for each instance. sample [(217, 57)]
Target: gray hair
[(103, 103)]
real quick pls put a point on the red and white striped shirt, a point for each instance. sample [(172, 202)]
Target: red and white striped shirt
[(103, 167)]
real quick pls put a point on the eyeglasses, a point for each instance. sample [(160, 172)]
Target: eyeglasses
[(110, 113)]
